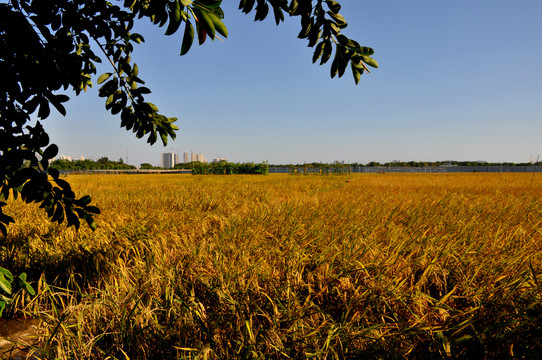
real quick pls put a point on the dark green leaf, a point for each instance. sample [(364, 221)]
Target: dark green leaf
[(328, 49), (43, 140), (44, 110), (137, 38), (109, 101), (334, 68), (262, 9), (85, 200), (50, 152), (93, 209), (279, 15), (334, 28), (342, 39), (53, 172), (318, 51), (32, 104), (103, 77), (21, 176), (314, 36), (116, 108), (63, 184), (5, 285), (306, 26), (339, 19), (73, 220), (7, 274), (356, 72), (367, 51), (341, 65), (369, 61), (294, 7), (174, 18), (44, 164), (152, 106), (334, 6), (219, 25), (205, 22), (59, 107), (62, 98), (58, 215), (248, 5), (108, 88), (90, 221), (144, 90), (25, 285), (188, 38)]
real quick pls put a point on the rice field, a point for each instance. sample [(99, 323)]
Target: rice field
[(410, 266)]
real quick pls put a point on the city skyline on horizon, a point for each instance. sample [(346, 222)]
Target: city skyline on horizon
[(532, 160)]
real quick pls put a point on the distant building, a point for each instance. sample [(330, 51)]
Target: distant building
[(68, 158), (169, 160), (197, 157), (220, 159), (186, 157)]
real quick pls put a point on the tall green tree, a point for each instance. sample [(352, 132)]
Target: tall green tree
[(49, 47)]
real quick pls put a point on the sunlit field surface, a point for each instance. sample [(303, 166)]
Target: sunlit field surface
[(284, 266)]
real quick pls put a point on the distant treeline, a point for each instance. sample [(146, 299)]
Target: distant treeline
[(228, 168), (102, 163), (405, 164), (396, 166)]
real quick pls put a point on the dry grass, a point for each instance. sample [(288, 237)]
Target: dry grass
[(383, 266)]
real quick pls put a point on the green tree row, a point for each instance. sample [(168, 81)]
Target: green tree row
[(319, 165), (102, 163), (228, 168), (443, 163)]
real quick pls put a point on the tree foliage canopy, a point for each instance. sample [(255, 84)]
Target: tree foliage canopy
[(50, 47)]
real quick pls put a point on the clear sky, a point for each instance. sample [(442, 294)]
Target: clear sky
[(458, 80)]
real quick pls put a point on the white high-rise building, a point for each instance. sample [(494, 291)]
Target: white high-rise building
[(186, 157), (197, 157), (169, 160)]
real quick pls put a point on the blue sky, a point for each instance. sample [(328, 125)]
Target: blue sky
[(458, 80)]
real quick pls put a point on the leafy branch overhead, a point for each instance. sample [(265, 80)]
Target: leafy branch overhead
[(322, 28), (321, 25), (50, 47)]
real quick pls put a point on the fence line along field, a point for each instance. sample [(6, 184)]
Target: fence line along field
[(283, 266)]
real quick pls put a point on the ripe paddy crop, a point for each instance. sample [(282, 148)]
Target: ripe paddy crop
[(282, 266)]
